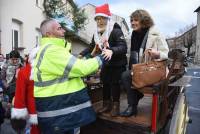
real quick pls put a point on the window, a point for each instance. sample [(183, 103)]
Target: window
[(16, 34), (37, 36), (37, 40), (15, 38), (37, 3)]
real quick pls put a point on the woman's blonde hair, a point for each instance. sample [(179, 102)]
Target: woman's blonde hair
[(143, 17)]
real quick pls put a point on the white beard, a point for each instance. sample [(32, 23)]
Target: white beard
[(101, 38), (101, 29)]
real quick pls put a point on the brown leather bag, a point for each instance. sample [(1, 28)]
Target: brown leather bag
[(146, 74)]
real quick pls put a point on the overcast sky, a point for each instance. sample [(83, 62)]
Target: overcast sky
[(169, 15)]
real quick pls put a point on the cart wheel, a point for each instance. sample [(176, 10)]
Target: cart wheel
[(180, 116)]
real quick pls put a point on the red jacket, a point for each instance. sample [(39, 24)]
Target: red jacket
[(24, 102)]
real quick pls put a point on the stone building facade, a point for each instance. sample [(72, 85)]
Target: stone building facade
[(182, 41), (197, 55)]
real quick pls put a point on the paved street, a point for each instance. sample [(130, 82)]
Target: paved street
[(193, 98)]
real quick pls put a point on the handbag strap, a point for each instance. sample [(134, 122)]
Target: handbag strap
[(146, 57), (141, 51)]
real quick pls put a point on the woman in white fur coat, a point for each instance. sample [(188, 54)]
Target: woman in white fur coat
[(144, 32)]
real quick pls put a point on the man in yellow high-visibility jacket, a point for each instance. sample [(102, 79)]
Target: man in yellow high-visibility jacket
[(62, 101)]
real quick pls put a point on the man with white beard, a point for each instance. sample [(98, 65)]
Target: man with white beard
[(109, 39)]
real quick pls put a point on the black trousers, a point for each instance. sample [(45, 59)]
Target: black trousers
[(132, 94), (111, 92), (111, 77)]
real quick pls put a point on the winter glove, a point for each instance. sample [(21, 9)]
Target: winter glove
[(18, 124)]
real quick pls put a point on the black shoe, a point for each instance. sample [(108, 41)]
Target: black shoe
[(140, 95), (131, 110), (115, 109)]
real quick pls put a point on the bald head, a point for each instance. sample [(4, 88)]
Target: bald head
[(46, 26), (51, 28)]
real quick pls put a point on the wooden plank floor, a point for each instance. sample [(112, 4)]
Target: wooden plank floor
[(142, 119)]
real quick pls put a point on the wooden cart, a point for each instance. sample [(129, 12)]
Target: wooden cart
[(162, 110)]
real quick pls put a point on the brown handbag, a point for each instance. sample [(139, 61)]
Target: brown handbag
[(146, 74)]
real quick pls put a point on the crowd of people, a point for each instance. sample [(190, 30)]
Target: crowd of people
[(9, 70), (46, 90)]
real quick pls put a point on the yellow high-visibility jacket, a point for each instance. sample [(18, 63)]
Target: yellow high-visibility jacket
[(61, 97)]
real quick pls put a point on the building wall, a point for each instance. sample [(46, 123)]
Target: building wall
[(171, 43), (197, 56), (28, 15), (89, 28), (0, 24), (78, 46), (178, 42), (29, 20), (121, 21)]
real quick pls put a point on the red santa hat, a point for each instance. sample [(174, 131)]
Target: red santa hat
[(102, 10)]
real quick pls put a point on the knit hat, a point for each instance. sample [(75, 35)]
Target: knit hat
[(102, 10), (14, 54)]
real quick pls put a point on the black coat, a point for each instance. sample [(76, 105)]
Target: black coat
[(117, 44), (136, 42)]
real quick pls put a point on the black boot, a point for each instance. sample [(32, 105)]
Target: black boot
[(131, 110), (139, 96), (107, 106), (115, 109)]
